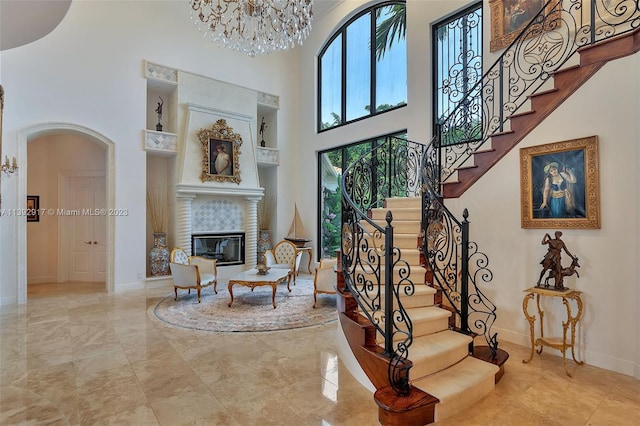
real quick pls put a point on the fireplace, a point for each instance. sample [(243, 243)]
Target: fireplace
[(226, 248)]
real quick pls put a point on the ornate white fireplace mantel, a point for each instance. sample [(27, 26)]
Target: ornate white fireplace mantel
[(186, 195)]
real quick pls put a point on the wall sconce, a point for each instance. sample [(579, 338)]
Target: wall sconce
[(9, 168)]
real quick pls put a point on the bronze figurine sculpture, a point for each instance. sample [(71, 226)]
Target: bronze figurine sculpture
[(552, 262)]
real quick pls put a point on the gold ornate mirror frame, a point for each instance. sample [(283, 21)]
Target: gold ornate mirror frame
[(220, 153)]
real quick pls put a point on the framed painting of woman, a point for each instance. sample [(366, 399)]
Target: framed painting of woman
[(220, 153), (560, 185), (509, 17)]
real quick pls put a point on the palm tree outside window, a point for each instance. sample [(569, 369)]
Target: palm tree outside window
[(362, 64)]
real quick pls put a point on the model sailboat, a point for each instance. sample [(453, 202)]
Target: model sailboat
[(297, 234)]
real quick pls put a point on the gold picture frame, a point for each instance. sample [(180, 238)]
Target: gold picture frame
[(560, 185), (220, 153), (509, 17), (33, 208)]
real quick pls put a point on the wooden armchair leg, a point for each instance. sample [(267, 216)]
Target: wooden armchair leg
[(215, 286), (315, 300), (175, 289)]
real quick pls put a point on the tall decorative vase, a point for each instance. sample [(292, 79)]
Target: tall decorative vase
[(264, 243), (159, 255)]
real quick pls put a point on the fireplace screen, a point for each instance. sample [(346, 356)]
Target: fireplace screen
[(228, 249)]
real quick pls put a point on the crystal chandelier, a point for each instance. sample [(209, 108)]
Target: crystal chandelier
[(255, 27)]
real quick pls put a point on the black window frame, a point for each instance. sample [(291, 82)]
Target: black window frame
[(372, 84)]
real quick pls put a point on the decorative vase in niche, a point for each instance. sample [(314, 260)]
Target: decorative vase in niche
[(264, 243), (159, 255)]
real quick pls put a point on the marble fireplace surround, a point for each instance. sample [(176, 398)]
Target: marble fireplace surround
[(210, 211)]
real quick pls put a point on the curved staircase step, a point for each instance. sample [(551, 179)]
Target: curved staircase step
[(459, 386), (437, 351), (422, 297)]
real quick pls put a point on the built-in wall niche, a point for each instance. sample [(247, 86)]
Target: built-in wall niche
[(267, 120)]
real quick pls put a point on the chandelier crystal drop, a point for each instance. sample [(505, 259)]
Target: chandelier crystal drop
[(254, 27)]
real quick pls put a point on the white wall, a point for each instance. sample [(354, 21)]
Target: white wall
[(89, 72), (610, 336)]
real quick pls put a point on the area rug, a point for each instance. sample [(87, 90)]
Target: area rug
[(251, 311)]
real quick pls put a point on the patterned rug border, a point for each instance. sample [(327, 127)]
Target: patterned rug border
[(152, 311)]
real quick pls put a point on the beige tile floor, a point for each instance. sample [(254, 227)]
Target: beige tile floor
[(75, 355)]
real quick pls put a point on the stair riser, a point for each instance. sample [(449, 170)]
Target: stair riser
[(402, 241), (416, 275), (429, 365), (398, 214), (470, 396), (422, 329), (403, 203), (403, 227), (420, 301)]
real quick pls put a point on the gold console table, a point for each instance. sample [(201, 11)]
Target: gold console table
[(561, 343)]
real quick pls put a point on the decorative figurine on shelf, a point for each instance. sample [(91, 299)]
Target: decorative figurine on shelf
[(159, 111), (263, 127), (552, 262)]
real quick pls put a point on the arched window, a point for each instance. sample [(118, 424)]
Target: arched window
[(364, 63)]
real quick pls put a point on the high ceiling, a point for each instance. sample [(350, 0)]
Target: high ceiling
[(25, 21)]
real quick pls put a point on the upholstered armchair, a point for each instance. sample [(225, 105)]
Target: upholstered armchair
[(187, 277), (325, 279), (207, 268), (284, 256)]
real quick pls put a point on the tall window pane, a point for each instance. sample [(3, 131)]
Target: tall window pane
[(330, 167), (457, 68), (331, 83), (370, 75), (391, 57), (359, 67), (330, 202)]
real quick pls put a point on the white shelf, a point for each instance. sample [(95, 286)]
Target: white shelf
[(162, 143), (267, 156)]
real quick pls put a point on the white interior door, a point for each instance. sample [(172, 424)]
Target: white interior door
[(87, 225)]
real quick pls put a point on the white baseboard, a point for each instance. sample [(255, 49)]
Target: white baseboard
[(159, 282), (589, 357), (8, 300), (136, 285)]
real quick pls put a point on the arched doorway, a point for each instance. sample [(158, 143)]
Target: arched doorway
[(48, 129)]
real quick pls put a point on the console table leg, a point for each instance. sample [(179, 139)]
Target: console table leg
[(532, 321)]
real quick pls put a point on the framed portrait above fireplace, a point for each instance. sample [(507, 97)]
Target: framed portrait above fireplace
[(220, 153)]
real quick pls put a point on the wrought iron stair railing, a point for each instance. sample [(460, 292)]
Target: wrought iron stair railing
[(456, 264), (543, 47), (391, 169), (377, 275)]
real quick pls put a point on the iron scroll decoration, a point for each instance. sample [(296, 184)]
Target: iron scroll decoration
[(220, 135)]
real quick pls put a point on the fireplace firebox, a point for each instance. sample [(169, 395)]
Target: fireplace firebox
[(226, 248)]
